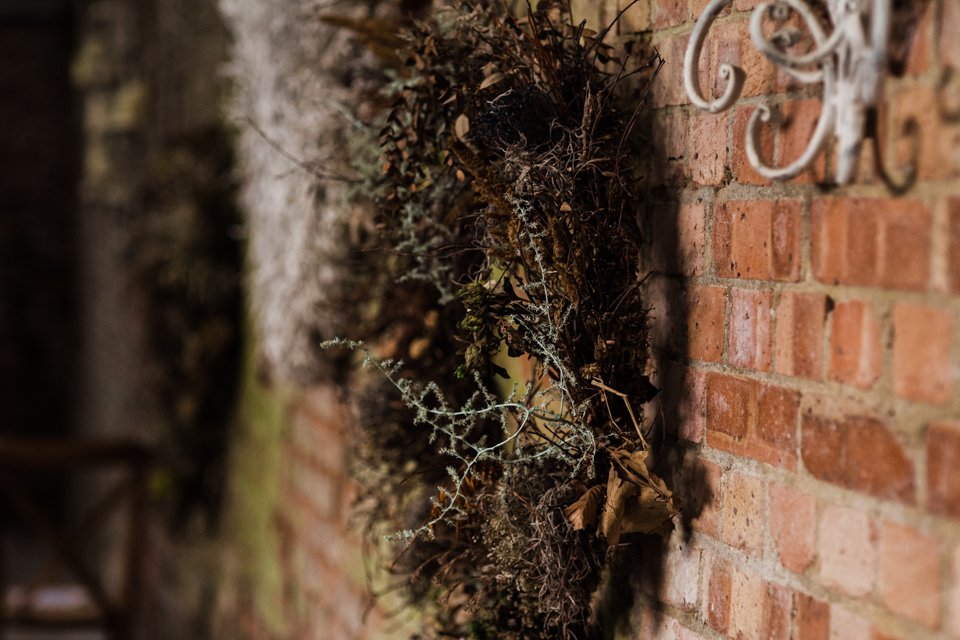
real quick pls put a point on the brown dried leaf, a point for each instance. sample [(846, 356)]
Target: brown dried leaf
[(491, 80), (634, 465), (583, 512), (461, 127), (565, 207), (647, 512), (618, 492)]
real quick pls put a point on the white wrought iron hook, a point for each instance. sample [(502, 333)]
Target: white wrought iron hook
[(849, 63)]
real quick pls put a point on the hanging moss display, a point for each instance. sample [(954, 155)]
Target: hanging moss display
[(503, 434)]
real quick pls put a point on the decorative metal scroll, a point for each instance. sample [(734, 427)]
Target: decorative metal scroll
[(849, 62)]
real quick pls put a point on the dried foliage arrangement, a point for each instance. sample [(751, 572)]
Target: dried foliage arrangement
[(503, 434)]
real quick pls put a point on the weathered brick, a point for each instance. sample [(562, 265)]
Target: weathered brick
[(669, 13), (950, 47), (731, 44), (683, 391), (910, 579), (752, 419), (719, 587), (757, 239), (859, 453), (793, 526), (943, 468), (812, 618), (744, 512), (934, 145), (681, 574), (699, 486), (953, 244), (746, 604), (667, 89), (706, 307), (955, 594), (671, 139), (708, 153), (845, 625), (800, 118), (847, 548), (801, 318), (730, 404), (922, 350), (871, 242), (750, 336), (679, 230), (743, 171), (855, 350), (919, 51)]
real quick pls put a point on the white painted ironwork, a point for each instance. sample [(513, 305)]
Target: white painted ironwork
[(849, 62)]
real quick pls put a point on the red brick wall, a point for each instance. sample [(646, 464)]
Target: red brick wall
[(807, 348), (807, 344)]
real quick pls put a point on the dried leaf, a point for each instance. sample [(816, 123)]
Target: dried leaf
[(583, 512), (565, 207), (491, 80), (634, 465), (618, 492), (647, 512), (461, 127)]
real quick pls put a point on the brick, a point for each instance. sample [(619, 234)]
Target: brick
[(812, 618), (752, 419), (934, 145), (706, 307), (910, 580), (746, 604), (669, 13), (800, 119), (943, 468), (708, 153), (919, 50), (950, 24), (801, 318), (859, 453), (680, 583), (847, 549), (743, 171), (793, 526), (670, 316), (855, 349), (953, 244), (730, 403), (679, 230), (955, 594), (922, 348), (699, 486), (775, 433), (757, 239), (750, 336), (731, 44), (744, 512), (668, 89), (717, 605), (655, 624), (682, 396), (777, 612), (871, 242), (759, 610), (848, 626), (671, 134)]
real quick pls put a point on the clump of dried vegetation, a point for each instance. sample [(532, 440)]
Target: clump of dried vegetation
[(503, 433)]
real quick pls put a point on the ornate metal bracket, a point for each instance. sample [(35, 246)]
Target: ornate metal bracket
[(849, 62)]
